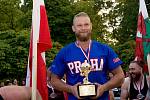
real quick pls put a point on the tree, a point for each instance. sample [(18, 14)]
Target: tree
[(126, 52), (26, 20), (14, 47), (14, 54), (9, 15), (60, 18), (114, 23)]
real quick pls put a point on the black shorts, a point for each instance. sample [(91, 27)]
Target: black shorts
[(1, 98)]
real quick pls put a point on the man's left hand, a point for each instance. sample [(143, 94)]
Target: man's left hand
[(100, 91)]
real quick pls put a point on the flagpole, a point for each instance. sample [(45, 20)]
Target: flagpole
[(35, 24), (28, 72), (148, 63)]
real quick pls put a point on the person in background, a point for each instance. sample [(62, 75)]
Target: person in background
[(8, 82), (15, 92), (23, 83), (111, 95), (136, 85), (53, 94), (127, 74), (99, 56), (148, 93), (2, 84), (15, 82)]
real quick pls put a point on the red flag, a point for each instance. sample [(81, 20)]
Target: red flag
[(141, 32), (41, 35)]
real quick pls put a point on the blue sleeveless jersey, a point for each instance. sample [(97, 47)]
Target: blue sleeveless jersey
[(69, 59)]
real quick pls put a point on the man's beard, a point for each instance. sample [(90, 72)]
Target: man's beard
[(83, 36), (135, 76)]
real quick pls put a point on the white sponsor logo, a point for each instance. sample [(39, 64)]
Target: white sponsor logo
[(75, 67)]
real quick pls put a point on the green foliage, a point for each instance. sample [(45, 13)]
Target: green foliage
[(26, 20), (126, 52), (60, 20), (9, 14), (13, 54), (123, 19), (15, 26), (14, 47)]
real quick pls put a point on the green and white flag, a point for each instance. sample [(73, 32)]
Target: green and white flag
[(143, 33)]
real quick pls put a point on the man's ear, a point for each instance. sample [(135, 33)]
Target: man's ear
[(73, 28)]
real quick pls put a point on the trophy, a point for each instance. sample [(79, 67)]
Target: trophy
[(86, 89)]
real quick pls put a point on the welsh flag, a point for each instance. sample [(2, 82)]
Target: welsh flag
[(40, 41), (143, 33)]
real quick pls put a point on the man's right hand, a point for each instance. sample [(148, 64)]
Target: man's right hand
[(74, 90)]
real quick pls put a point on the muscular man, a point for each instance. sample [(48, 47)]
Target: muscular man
[(135, 86), (99, 56)]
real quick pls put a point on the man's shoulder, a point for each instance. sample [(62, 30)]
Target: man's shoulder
[(127, 80), (68, 46), (126, 83), (97, 42), (148, 80)]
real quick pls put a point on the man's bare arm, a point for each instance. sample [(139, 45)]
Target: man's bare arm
[(116, 80), (124, 90), (60, 85)]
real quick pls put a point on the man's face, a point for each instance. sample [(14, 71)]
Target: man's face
[(82, 27), (135, 71)]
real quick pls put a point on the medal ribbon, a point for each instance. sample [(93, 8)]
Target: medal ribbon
[(139, 88), (87, 57)]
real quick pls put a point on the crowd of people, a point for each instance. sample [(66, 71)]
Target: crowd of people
[(103, 62), (11, 82), (11, 90)]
